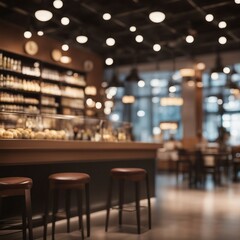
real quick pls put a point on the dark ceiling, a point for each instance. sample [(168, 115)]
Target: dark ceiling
[(183, 17)]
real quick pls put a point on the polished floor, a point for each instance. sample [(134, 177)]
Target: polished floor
[(178, 213)]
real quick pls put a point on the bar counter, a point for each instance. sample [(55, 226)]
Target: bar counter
[(38, 159)]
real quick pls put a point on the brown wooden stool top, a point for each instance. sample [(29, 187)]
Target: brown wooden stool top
[(134, 174), (15, 183), (69, 177)]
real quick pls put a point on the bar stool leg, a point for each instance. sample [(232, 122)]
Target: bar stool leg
[(121, 200), (46, 214), (54, 211), (109, 200), (149, 203), (87, 208), (29, 212), (137, 205), (67, 208), (24, 223), (177, 170), (80, 212)]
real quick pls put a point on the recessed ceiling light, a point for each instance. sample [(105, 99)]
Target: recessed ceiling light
[(40, 33), (110, 41), (156, 47), (107, 16), (139, 38), (65, 47), (43, 15), (132, 29), (237, 1), (222, 40), (209, 17), (157, 16), (65, 21), (222, 24), (226, 70), (58, 4), (82, 39), (27, 34), (65, 59), (109, 61), (189, 39)]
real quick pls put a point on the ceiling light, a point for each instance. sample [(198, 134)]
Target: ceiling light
[(201, 66), (172, 89), (189, 39), (43, 15), (222, 24), (110, 41), (65, 47), (222, 40), (226, 70), (237, 1), (140, 113), (139, 38), (209, 18), (57, 4), (65, 59), (107, 16), (141, 83), (82, 39), (156, 47), (40, 33), (156, 17), (109, 61), (214, 76), (132, 29), (65, 21), (27, 34)]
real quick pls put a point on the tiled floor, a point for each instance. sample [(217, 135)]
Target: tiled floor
[(179, 213)]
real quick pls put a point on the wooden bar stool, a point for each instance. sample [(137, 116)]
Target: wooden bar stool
[(20, 186), (135, 175), (67, 182)]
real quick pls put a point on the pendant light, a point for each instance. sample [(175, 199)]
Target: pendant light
[(43, 14), (218, 68), (133, 75)]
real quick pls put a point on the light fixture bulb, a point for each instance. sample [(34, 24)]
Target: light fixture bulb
[(65, 47), (222, 40), (156, 47), (209, 18), (157, 16), (189, 39), (110, 41), (139, 38), (226, 70), (57, 4), (27, 34), (40, 33), (237, 1), (132, 29), (222, 24), (43, 15), (109, 61), (82, 39), (107, 16), (65, 21)]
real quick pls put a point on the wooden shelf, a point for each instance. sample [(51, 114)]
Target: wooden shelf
[(18, 74)]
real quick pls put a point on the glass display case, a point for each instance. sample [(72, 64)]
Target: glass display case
[(21, 125)]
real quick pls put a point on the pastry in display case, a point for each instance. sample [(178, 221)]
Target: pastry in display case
[(35, 126)]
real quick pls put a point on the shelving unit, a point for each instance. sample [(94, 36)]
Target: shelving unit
[(27, 83)]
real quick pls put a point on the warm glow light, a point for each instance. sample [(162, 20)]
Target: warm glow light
[(128, 99), (156, 17), (189, 39), (43, 15), (171, 101), (191, 83), (65, 47), (90, 102), (107, 16), (141, 83), (112, 91), (65, 59), (109, 61), (139, 38), (109, 104), (187, 72), (110, 41), (201, 66), (199, 84), (222, 40), (98, 105), (168, 125), (209, 18), (132, 29), (237, 1), (82, 39), (156, 47), (214, 76), (65, 20), (222, 24), (140, 113), (27, 34), (91, 90), (107, 111), (156, 130), (40, 33), (226, 70), (57, 4)]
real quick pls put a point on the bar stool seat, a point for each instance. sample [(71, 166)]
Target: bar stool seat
[(135, 175), (20, 186), (68, 181)]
